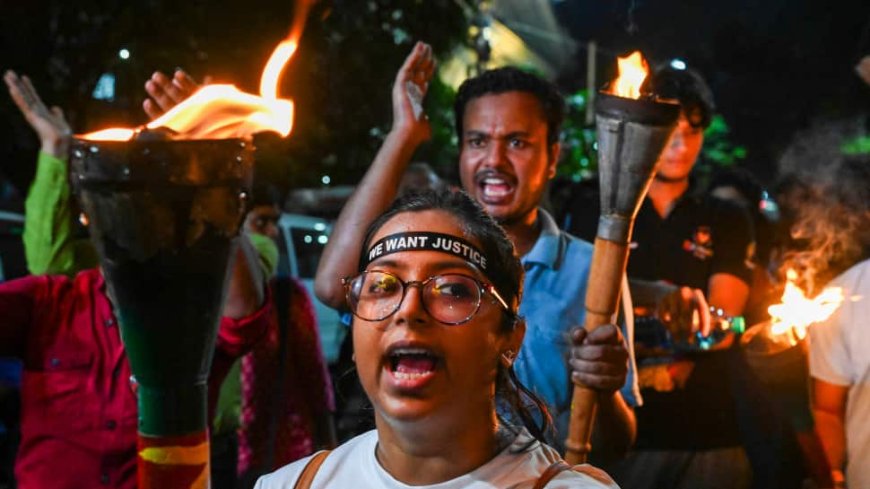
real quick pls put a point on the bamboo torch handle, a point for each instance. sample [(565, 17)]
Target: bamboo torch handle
[(602, 297)]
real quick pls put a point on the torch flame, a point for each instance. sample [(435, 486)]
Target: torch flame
[(113, 134), (796, 312), (633, 70), (224, 111), (275, 67)]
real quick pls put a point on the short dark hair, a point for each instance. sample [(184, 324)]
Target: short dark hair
[(689, 88), (509, 79), (506, 274)]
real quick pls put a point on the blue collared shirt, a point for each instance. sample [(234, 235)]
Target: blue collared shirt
[(554, 293)]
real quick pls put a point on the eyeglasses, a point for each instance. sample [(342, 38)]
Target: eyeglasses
[(450, 298)]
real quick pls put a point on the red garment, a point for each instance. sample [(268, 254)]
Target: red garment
[(307, 394), (78, 411)]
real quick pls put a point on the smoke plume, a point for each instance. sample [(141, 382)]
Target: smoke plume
[(825, 197)]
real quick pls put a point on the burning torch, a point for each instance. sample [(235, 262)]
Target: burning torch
[(164, 204), (164, 217), (633, 129), (776, 349)]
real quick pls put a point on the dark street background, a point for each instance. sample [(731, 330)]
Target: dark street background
[(775, 66)]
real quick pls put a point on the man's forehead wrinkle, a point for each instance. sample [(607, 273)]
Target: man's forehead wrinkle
[(497, 131)]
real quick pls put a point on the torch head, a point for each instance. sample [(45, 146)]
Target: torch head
[(631, 135), (164, 217)]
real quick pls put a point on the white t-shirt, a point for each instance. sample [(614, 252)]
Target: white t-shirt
[(840, 355), (354, 465)]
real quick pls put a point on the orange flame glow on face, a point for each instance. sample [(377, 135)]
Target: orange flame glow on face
[(224, 111), (796, 312), (633, 70)]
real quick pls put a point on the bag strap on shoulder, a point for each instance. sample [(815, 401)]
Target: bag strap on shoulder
[(310, 470), (552, 471)]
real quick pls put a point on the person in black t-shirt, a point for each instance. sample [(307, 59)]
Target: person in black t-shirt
[(695, 248)]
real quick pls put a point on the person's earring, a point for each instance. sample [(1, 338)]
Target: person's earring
[(508, 358), (353, 357)]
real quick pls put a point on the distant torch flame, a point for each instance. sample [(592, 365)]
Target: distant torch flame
[(796, 312), (223, 111), (633, 70)]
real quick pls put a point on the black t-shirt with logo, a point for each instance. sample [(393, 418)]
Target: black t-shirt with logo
[(700, 237)]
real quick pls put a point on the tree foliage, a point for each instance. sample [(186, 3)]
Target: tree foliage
[(340, 78), (579, 160)]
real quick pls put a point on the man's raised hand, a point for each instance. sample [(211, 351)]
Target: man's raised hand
[(165, 93), (50, 125), (409, 90)]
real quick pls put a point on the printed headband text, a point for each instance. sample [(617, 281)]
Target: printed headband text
[(420, 241)]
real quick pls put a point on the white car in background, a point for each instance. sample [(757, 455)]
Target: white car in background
[(302, 241)]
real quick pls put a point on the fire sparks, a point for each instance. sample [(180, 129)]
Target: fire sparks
[(796, 312), (224, 111), (633, 70)]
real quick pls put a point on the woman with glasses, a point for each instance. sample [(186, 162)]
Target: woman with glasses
[(435, 334)]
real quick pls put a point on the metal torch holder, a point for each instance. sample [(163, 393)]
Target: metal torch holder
[(164, 217)]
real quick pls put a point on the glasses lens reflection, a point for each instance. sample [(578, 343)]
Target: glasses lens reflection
[(450, 298)]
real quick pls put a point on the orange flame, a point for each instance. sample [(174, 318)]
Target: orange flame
[(274, 68), (223, 111), (796, 312), (633, 70)]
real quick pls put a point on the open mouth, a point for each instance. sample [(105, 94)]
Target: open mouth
[(411, 363), (494, 188)]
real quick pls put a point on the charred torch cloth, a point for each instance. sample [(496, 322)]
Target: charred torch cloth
[(420, 241)]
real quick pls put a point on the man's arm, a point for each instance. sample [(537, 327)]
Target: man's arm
[(376, 191), (728, 292), (48, 243), (683, 310), (829, 410), (615, 429), (599, 360), (730, 272)]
